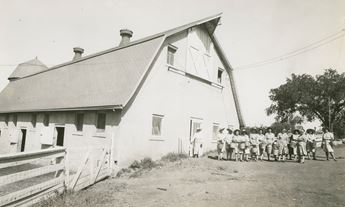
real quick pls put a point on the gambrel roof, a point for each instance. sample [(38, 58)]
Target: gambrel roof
[(104, 80)]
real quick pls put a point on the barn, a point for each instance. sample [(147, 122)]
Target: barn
[(141, 98)]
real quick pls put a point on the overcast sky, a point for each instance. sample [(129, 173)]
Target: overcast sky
[(251, 31)]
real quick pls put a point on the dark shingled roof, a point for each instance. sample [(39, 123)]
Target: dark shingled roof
[(107, 79)]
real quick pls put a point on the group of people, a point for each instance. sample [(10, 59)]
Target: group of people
[(286, 145)]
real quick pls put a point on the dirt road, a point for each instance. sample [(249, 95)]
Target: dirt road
[(208, 182)]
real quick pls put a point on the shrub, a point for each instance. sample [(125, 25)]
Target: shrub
[(123, 171), (147, 163), (173, 157), (135, 165)]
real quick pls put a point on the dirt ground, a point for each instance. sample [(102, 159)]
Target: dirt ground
[(209, 182)]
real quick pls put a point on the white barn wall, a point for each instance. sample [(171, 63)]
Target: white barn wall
[(178, 98), (76, 142)]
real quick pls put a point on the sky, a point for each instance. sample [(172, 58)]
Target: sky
[(251, 31)]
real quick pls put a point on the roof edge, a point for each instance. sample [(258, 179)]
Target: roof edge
[(90, 108)]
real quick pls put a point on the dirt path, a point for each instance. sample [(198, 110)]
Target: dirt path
[(208, 182)]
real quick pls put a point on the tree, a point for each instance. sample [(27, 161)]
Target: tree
[(321, 97)]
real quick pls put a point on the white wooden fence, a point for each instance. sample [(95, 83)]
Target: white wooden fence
[(53, 164)]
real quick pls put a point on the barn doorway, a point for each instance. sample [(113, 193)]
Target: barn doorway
[(23, 140), (60, 136)]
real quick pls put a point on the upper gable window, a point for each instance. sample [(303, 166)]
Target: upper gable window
[(220, 75), (171, 54)]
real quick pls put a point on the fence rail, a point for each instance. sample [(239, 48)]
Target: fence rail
[(94, 167)]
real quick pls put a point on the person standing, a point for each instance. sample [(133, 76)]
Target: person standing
[(293, 144), (283, 140), (327, 139), (221, 143), (262, 144), (197, 143), (270, 138), (311, 143), (301, 147), (228, 140), (234, 143), (254, 142), (246, 141)]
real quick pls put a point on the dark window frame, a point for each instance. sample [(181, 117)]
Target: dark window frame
[(7, 117), (101, 121), (160, 127), (46, 119), (79, 121), (171, 51), (220, 73), (15, 119), (34, 120)]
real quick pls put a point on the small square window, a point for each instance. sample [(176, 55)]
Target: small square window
[(15, 118), (46, 120), (171, 54), (101, 117), (219, 75), (79, 121), (157, 125), (34, 120), (215, 130)]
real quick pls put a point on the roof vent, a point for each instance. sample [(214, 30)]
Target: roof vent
[(126, 35), (77, 53)]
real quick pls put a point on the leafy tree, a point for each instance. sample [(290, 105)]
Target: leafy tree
[(321, 97)]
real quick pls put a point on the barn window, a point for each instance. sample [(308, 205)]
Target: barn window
[(15, 118), (6, 119), (46, 119), (219, 75), (215, 130), (157, 125), (79, 121), (171, 54), (33, 120), (101, 117)]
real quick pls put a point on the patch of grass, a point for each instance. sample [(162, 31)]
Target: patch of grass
[(147, 163), (135, 165), (123, 171), (173, 157)]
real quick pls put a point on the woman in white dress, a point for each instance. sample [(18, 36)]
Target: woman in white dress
[(293, 143), (234, 143), (254, 142), (262, 144), (311, 143), (270, 138), (327, 139), (221, 143), (301, 147), (197, 143), (228, 140)]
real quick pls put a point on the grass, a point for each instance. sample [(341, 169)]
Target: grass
[(137, 168)]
